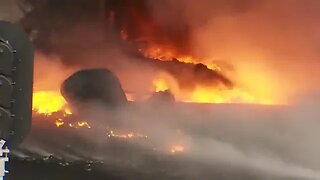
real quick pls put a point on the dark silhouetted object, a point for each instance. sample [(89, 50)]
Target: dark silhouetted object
[(93, 85), (16, 75)]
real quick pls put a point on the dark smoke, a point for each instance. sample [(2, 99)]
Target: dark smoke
[(79, 30), (141, 25)]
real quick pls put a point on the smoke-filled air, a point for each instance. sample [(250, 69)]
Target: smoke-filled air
[(176, 89)]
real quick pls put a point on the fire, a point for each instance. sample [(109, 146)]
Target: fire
[(59, 122), (209, 95), (202, 94), (162, 54), (160, 85), (161, 43), (48, 102), (83, 124), (79, 124), (252, 84)]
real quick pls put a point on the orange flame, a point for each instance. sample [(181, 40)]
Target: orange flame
[(160, 85), (260, 90), (48, 102), (202, 94)]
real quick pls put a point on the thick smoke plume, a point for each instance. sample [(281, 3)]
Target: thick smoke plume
[(90, 34)]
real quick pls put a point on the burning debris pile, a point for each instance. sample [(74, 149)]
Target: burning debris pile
[(128, 38), (149, 58)]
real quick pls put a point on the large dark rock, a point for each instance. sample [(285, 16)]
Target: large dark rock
[(93, 85)]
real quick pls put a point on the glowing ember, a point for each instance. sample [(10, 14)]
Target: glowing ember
[(67, 111), (83, 124), (78, 124), (177, 149), (130, 135), (59, 122), (130, 97)]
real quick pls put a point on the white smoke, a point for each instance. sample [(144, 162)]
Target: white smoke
[(239, 140)]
